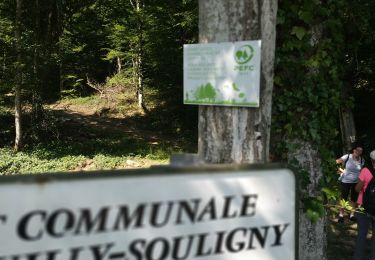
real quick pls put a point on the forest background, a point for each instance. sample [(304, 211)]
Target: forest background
[(98, 84)]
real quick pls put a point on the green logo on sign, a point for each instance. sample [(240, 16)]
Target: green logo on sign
[(244, 54), (205, 92)]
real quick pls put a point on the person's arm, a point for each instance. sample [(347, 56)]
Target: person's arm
[(362, 178), (359, 185), (340, 162)]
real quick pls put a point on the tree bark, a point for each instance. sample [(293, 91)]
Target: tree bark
[(4, 63), (36, 92), (312, 235), (232, 134), (139, 55), (119, 66), (18, 79), (348, 130), (60, 26)]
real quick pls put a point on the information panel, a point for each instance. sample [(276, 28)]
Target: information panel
[(226, 74), (210, 215)]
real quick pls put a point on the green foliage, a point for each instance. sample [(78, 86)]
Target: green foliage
[(313, 207), (69, 93), (317, 62), (346, 205), (123, 79), (101, 153), (89, 101), (299, 32), (311, 75), (64, 43), (7, 59), (33, 162)]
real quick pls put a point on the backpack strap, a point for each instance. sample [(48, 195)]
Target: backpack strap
[(347, 159), (362, 163)]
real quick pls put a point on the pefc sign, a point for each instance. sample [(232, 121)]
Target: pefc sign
[(156, 214), (226, 74)]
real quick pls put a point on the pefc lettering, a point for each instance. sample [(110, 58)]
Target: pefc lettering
[(244, 68)]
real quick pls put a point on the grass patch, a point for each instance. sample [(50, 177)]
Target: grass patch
[(29, 162), (98, 154), (95, 133), (87, 101)]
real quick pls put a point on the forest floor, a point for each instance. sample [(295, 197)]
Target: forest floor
[(104, 121), (96, 120), (94, 133), (340, 238)]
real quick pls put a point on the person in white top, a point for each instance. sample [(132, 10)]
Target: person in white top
[(351, 165)]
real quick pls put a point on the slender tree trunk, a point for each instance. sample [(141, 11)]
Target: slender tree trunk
[(232, 134), (137, 61), (140, 84), (18, 79), (60, 21), (4, 63), (312, 235), (139, 5), (134, 75), (36, 102), (61, 78), (119, 66), (348, 130)]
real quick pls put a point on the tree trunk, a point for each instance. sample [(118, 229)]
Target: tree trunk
[(348, 131), (60, 26), (4, 63), (232, 134), (312, 235), (36, 92), (141, 103), (140, 92), (61, 78), (18, 79), (119, 66)]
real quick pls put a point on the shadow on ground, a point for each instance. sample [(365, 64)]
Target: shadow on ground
[(66, 131), (341, 239)]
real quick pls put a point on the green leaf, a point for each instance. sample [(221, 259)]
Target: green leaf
[(312, 215), (299, 32), (306, 16), (235, 87), (280, 19), (314, 208), (330, 193)]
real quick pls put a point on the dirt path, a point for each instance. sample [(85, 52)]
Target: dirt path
[(84, 124), (341, 239), (134, 125)]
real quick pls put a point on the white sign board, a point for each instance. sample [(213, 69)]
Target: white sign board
[(226, 74), (237, 215)]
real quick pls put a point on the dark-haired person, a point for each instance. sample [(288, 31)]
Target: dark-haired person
[(363, 219), (352, 164)]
